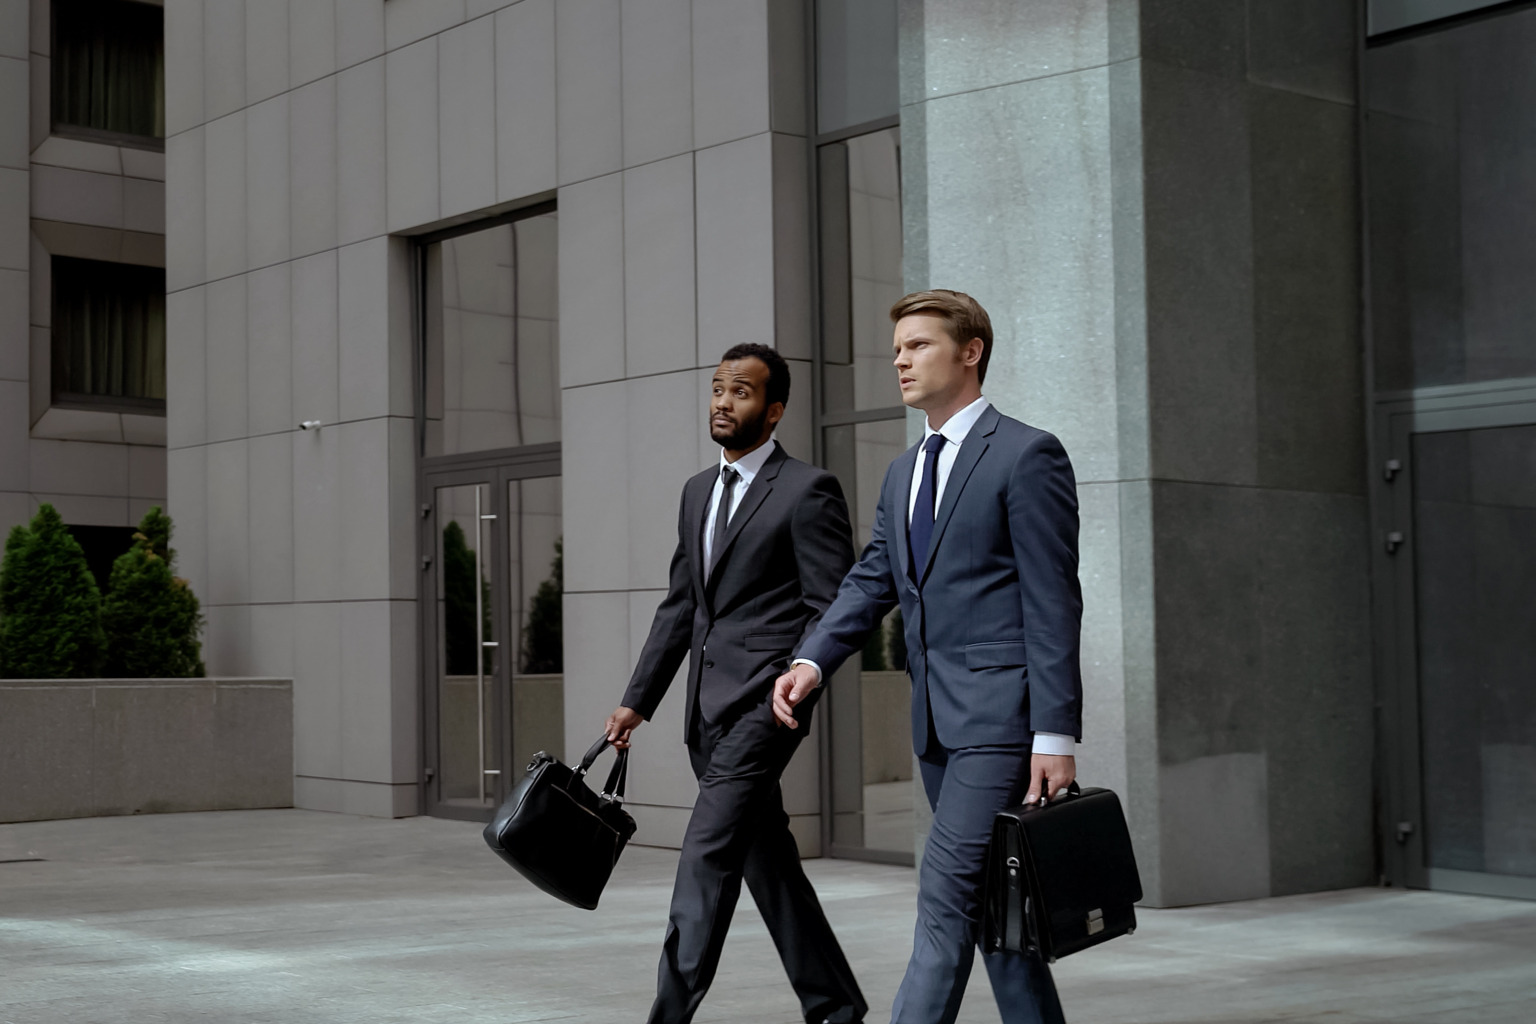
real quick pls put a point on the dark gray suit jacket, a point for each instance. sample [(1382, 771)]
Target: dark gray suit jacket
[(786, 549), (993, 617)]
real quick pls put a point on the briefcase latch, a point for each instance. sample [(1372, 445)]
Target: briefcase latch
[(1095, 921)]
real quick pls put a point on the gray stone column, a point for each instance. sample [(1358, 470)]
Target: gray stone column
[(15, 256), (1156, 201)]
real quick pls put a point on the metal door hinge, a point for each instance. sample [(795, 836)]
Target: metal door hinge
[(1404, 830), (1392, 468), (426, 562), (429, 773), (426, 510), (1394, 541)]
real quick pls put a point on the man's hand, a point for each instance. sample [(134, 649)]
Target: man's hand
[(620, 724), (1050, 774), (790, 689)]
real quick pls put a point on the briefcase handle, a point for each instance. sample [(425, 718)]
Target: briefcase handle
[(613, 789), (1073, 789)]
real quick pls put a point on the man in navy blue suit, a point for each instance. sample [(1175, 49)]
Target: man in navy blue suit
[(975, 538)]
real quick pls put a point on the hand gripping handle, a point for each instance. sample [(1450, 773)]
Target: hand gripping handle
[(613, 789)]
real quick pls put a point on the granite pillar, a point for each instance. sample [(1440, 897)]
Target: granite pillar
[(1157, 203)]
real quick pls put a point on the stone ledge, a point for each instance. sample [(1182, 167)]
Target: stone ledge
[(75, 748)]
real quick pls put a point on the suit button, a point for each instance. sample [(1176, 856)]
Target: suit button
[(709, 664)]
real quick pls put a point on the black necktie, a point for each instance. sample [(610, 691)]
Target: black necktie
[(728, 478), (921, 533)]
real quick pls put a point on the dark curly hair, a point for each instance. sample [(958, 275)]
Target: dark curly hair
[(778, 369)]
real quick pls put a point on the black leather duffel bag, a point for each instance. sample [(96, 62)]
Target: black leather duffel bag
[(560, 835), (1060, 877)]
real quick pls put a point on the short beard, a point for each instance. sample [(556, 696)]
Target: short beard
[(744, 436)]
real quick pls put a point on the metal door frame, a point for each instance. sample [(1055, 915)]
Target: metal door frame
[(495, 469), (1397, 418)]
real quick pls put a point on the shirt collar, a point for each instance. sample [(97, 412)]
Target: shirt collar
[(750, 464), (959, 425)]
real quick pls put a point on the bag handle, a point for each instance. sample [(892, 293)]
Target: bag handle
[(613, 789), (1073, 789)]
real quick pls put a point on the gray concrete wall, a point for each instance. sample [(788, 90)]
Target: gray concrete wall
[(306, 140), (77, 748), (65, 197), (1157, 203)]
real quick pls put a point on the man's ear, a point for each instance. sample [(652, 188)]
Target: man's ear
[(774, 415), (971, 354)]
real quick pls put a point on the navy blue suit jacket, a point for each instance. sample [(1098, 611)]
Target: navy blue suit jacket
[(993, 617)]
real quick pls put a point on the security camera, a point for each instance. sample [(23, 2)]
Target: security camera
[(310, 425)]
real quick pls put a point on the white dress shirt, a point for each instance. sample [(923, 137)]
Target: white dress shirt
[(749, 465), (955, 431)]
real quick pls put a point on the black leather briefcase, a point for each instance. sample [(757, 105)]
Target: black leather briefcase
[(560, 835), (1060, 877)]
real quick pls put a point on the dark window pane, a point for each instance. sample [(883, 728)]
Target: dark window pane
[(493, 338), (1391, 15), (856, 69), (108, 329), (1474, 518), (109, 66), (1452, 183)]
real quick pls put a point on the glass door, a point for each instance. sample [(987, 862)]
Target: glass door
[(1461, 550), (491, 636)]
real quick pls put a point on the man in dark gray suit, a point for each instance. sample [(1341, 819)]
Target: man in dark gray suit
[(975, 537), (763, 541)]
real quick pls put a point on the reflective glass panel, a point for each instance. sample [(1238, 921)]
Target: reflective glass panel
[(1451, 183), (861, 270), (536, 581), (857, 77), (1392, 15), (493, 371), (1474, 515), (871, 748), (466, 623)]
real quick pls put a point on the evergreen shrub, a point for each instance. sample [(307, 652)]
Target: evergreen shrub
[(50, 607), (150, 616)]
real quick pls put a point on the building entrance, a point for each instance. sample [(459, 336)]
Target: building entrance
[(1459, 549), (491, 639)]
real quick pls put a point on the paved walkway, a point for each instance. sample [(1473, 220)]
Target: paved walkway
[(304, 918)]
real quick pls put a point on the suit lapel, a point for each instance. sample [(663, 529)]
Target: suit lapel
[(901, 497), (971, 451), (762, 484)]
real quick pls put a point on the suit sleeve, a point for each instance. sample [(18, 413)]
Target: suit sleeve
[(671, 633), (867, 593), (1042, 520), (823, 545)]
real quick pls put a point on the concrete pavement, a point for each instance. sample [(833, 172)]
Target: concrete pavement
[(307, 918)]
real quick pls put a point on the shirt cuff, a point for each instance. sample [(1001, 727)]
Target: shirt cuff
[(814, 667), (1054, 743)]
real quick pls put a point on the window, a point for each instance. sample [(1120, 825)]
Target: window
[(108, 334), (1452, 181), (857, 78), (109, 67), (863, 428), (492, 337)]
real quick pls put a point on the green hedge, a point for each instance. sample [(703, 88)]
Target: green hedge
[(50, 609), (150, 615), (54, 623)]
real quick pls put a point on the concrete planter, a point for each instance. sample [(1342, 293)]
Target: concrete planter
[(76, 748)]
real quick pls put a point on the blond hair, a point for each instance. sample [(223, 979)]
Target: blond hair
[(963, 318)]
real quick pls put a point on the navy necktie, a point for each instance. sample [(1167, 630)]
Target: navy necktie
[(921, 533)]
